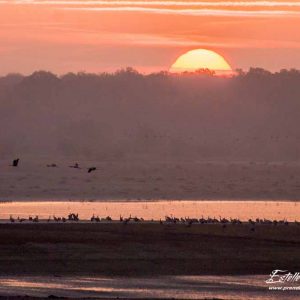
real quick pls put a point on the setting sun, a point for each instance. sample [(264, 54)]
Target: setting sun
[(201, 59)]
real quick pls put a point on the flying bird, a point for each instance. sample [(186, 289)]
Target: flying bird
[(76, 166), (52, 166), (15, 162), (91, 169)]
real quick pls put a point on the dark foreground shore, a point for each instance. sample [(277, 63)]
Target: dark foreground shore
[(147, 249)]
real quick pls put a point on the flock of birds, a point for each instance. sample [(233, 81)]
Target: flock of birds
[(72, 217), (224, 222), (15, 163)]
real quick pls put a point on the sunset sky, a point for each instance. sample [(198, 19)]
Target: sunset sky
[(96, 36)]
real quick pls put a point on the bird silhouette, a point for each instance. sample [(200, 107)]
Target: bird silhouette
[(91, 169), (15, 162), (52, 166), (75, 166)]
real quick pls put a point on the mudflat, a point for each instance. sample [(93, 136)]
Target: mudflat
[(147, 249)]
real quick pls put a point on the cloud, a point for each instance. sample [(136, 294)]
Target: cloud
[(160, 3), (195, 12), (189, 8)]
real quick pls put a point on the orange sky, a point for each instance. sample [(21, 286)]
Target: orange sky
[(95, 36)]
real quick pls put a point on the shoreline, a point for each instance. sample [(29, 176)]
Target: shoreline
[(153, 210), (143, 200)]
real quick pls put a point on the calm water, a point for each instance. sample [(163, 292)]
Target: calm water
[(156, 209), (176, 287)]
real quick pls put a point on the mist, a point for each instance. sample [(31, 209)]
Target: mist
[(254, 115)]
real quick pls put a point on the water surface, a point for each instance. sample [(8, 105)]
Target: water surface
[(156, 209), (176, 287)]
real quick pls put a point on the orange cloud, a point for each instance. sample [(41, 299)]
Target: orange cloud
[(154, 31)]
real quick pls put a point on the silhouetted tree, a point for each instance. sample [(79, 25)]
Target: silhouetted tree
[(157, 116)]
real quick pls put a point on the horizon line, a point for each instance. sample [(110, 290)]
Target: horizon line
[(214, 73)]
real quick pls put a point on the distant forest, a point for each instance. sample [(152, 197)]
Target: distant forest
[(253, 115)]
